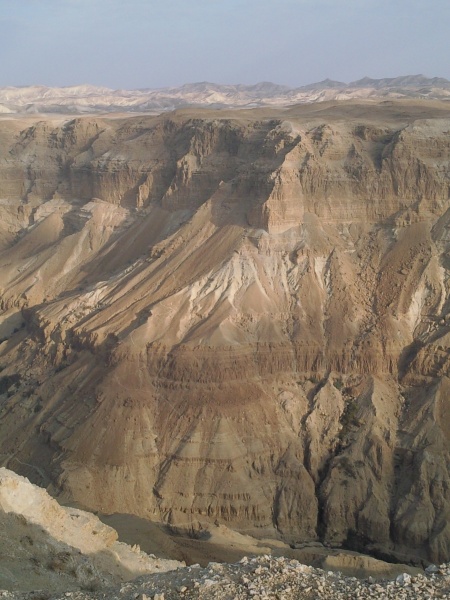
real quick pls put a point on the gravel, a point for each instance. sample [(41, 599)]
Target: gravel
[(260, 578)]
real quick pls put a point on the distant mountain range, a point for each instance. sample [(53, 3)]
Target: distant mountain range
[(92, 99)]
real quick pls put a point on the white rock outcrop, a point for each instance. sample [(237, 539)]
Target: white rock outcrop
[(45, 545)]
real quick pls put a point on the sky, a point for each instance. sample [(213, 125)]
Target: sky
[(131, 44)]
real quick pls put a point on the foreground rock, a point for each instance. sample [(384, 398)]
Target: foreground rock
[(234, 317), (264, 577), (46, 546)]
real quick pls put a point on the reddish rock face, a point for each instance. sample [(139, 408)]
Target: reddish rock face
[(236, 317)]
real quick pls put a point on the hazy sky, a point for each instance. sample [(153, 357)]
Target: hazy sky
[(156, 43)]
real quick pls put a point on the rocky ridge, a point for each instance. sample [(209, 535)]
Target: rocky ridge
[(231, 316), (47, 546)]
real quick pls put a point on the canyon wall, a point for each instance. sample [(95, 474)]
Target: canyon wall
[(239, 317)]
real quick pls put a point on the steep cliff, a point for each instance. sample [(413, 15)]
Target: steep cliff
[(239, 317)]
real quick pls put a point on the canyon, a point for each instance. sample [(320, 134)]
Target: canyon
[(234, 317)]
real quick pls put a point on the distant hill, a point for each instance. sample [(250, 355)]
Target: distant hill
[(92, 99)]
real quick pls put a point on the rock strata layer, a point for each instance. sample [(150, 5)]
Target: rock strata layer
[(234, 317)]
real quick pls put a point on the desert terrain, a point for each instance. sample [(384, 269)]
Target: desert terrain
[(234, 318)]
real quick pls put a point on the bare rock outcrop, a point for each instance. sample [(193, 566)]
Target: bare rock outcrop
[(47, 546)]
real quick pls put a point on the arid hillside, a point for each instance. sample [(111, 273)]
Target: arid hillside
[(238, 317)]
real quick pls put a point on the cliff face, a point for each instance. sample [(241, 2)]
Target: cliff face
[(236, 317)]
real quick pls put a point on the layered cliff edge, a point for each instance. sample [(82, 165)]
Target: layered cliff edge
[(234, 317)]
